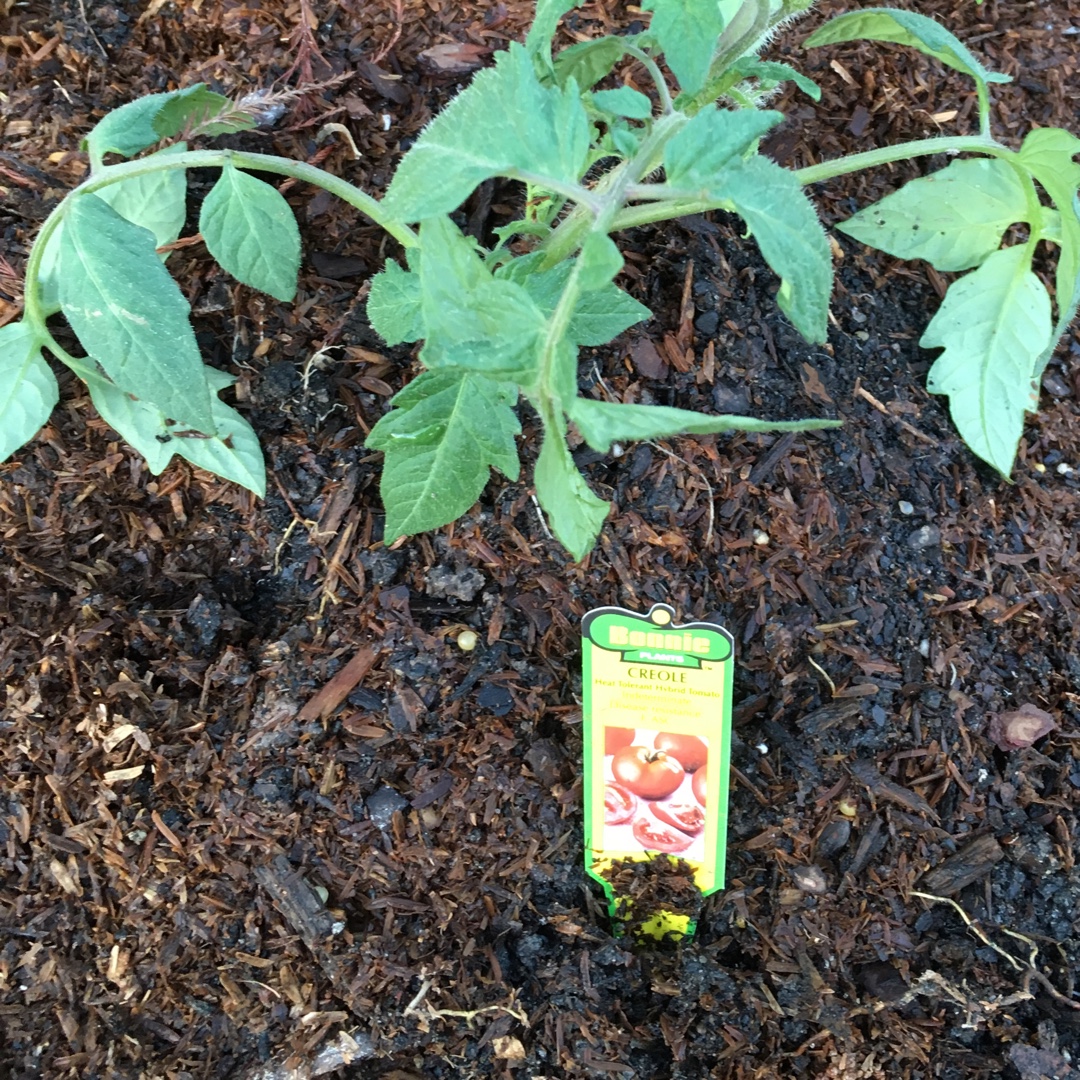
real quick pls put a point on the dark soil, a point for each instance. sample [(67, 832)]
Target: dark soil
[(260, 815)]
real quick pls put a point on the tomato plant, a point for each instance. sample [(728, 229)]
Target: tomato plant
[(620, 805), (688, 750), (648, 773), (698, 786), (684, 816), (615, 738), (653, 836)]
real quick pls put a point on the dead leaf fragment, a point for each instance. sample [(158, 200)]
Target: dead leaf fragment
[(647, 359), (1020, 728), (507, 1048), (453, 58)]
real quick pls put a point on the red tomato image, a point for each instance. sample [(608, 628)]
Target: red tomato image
[(653, 836), (698, 785), (648, 773), (615, 738), (688, 750), (619, 805), (686, 817)]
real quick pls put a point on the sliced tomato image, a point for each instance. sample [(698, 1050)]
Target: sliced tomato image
[(653, 836), (619, 804), (698, 786), (615, 738), (686, 816), (648, 773), (688, 750)]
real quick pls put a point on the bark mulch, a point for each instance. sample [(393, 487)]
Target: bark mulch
[(260, 815)]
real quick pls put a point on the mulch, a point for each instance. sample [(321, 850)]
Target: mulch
[(262, 817)]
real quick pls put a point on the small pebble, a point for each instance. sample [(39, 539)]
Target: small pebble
[(926, 537), (905, 507), (382, 804), (761, 538), (707, 323), (810, 879), (1065, 470), (834, 838), (1054, 384)]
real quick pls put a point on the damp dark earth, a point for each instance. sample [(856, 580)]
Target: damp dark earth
[(263, 817)]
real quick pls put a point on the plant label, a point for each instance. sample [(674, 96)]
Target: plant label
[(657, 715)]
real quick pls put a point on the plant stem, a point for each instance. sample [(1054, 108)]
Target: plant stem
[(201, 159), (299, 170), (656, 76), (869, 159)]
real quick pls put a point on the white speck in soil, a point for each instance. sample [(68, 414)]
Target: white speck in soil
[(926, 537)]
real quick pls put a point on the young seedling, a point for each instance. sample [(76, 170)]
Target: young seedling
[(504, 323)]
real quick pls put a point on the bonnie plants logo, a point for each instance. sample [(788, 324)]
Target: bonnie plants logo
[(653, 638)]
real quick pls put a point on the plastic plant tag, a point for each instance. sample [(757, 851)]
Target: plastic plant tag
[(657, 718)]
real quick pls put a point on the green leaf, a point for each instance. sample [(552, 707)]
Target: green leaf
[(445, 433), (771, 74), (712, 139), (600, 261), (1048, 155), (156, 201), (128, 312), (504, 124), (250, 229), (953, 218), (993, 325), (234, 454), (623, 101), (202, 110), (588, 62), (472, 320), (139, 423), (576, 515), (905, 28), (28, 389), (792, 241), (599, 316), (625, 141), (393, 305), (687, 31), (544, 25), (604, 422), (129, 129)]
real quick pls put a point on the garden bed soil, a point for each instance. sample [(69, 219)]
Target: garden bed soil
[(261, 815)]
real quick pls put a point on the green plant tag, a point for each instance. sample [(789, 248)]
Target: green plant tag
[(656, 703)]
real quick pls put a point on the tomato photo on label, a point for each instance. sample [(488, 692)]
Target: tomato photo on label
[(615, 738), (653, 836), (698, 786), (619, 804), (688, 750), (686, 817), (648, 773)]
